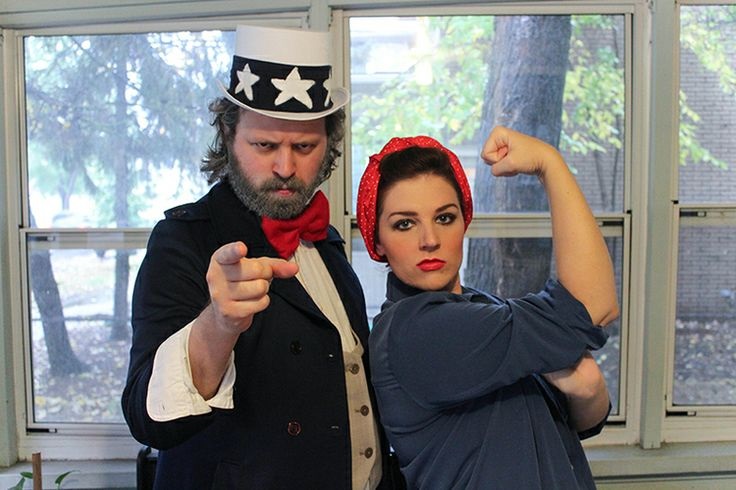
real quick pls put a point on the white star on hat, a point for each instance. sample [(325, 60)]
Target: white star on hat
[(246, 80), (328, 86), (293, 87)]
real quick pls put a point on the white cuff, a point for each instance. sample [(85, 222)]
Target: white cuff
[(171, 392)]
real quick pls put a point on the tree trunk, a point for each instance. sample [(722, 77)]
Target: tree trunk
[(62, 359), (120, 330), (528, 64)]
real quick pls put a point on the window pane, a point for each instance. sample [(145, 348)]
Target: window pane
[(707, 104), (560, 78), (706, 310), (532, 274), (80, 334), (117, 124)]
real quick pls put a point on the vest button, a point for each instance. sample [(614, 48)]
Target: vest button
[(294, 428), (295, 347)]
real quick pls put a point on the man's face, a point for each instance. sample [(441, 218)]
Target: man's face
[(277, 165)]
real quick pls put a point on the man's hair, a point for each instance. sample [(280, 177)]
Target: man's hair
[(225, 117)]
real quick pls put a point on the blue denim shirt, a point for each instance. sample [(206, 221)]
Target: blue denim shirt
[(459, 392)]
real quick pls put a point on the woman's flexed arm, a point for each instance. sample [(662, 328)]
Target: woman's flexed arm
[(583, 264)]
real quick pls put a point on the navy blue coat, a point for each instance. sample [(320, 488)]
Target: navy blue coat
[(289, 363)]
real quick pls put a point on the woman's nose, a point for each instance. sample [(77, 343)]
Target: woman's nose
[(429, 239)]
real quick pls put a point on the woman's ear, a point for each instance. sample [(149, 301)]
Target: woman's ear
[(380, 250)]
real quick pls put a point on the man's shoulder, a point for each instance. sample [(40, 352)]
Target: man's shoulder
[(190, 211), (219, 195), (196, 210)]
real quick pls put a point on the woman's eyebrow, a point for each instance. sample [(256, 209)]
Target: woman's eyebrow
[(414, 213)]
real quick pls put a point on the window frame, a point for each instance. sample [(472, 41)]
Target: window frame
[(686, 423), (60, 440), (651, 201), (622, 428)]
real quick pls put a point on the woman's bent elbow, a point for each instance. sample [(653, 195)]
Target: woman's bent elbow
[(609, 315), (603, 313)]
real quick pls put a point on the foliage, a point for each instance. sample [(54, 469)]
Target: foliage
[(104, 112), (708, 32), (594, 89), (449, 108), (436, 95), (447, 105), (27, 475), (690, 149)]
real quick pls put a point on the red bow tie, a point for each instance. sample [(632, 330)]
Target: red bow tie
[(311, 225)]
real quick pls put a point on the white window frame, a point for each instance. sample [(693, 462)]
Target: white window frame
[(622, 428), (652, 156), (69, 440), (683, 423)]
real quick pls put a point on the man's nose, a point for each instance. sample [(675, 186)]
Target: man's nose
[(284, 164)]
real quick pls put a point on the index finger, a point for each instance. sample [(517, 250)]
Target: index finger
[(269, 268), (230, 253)]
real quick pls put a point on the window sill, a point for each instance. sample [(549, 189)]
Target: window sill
[(611, 465), (102, 474), (674, 461)]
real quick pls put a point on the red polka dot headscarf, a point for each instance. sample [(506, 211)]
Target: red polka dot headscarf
[(368, 189)]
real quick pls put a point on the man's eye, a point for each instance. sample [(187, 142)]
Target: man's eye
[(263, 145)]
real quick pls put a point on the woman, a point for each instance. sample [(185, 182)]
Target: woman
[(473, 390)]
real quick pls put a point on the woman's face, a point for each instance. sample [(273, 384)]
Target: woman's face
[(420, 232)]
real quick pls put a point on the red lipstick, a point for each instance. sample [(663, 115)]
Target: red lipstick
[(428, 265)]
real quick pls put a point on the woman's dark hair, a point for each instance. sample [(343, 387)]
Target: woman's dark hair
[(225, 117), (409, 163)]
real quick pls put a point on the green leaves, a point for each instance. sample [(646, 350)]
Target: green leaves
[(27, 475)]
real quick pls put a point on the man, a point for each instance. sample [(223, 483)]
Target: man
[(248, 367)]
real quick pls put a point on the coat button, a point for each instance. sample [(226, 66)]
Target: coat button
[(368, 453), (354, 368), (178, 213), (295, 347), (294, 428), (364, 410)]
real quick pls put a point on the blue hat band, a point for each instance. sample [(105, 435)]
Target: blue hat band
[(279, 87)]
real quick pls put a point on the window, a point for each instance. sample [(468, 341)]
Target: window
[(115, 129), (706, 256), (454, 77)]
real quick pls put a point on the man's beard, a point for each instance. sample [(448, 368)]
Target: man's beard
[(264, 201)]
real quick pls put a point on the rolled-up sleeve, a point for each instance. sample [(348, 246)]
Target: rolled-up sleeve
[(171, 391), (445, 348)]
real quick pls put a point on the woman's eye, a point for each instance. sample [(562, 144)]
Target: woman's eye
[(403, 224), (446, 218)]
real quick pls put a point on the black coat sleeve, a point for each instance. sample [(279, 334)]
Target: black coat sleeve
[(169, 292)]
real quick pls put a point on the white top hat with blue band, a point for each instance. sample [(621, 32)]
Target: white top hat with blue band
[(283, 73)]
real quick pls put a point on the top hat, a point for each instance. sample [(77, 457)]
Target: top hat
[(283, 73)]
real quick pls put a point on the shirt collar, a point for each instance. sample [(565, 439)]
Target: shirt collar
[(396, 290)]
